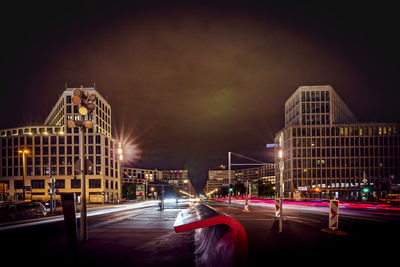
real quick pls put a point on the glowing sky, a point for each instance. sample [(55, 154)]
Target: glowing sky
[(190, 81)]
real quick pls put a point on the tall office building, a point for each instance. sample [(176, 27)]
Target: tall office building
[(326, 151), (52, 150)]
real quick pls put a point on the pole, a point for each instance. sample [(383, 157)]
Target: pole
[(84, 235), (162, 198), (280, 201), (281, 168), (51, 197), (229, 177), (246, 201), (23, 175)]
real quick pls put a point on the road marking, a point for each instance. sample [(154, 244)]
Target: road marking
[(301, 218), (239, 219), (357, 218)]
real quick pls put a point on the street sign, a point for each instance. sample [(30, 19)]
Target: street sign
[(273, 145), (302, 188), (334, 214), (140, 189)]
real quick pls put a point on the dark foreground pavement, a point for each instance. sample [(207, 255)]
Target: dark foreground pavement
[(144, 240), (132, 237)]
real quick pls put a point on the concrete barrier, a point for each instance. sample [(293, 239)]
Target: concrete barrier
[(220, 240)]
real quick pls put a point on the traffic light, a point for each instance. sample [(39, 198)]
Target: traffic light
[(365, 190), (52, 186), (231, 188), (86, 104), (317, 189)]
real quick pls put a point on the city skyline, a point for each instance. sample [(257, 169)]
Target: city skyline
[(186, 102)]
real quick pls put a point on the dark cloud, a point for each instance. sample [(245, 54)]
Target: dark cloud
[(190, 81)]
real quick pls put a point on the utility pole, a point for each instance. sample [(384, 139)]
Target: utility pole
[(240, 164), (229, 177), (281, 168), (52, 193), (84, 235)]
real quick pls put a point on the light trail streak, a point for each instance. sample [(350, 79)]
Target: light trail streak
[(46, 220), (345, 207)]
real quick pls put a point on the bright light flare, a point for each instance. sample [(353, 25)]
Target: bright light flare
[(128, 149)]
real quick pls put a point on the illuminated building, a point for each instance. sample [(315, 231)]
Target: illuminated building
[(54, 150), (140, 176), (218, 177), (256, 173), (179, 179), (326, 151)]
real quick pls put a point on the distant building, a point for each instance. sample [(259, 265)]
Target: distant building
[(256, 173), (180, 180), (140, 176), (218, 177), (54, 150), (326, 151)]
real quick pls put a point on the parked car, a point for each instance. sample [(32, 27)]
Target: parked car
[(21, 210), (6, 212)]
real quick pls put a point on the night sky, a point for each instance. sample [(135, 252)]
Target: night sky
[(189, 81)]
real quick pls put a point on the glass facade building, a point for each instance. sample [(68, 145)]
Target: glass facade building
[(326, 151), (53, 150)]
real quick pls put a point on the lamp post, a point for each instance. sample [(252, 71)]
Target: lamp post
[(86, 107), (23, 152), (229, 177), (281, 168)]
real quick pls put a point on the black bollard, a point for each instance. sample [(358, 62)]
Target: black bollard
[(69, 211)]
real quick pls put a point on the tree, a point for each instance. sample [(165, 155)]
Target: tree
[(239, 187), (128, 191), (224, 191), (265, 189)]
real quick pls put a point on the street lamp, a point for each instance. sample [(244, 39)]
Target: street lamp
[(85, 109), (281, 168), (23, 152)]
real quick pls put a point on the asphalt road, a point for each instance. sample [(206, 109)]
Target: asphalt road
[(140, 235), (366, 235), (125, 235)]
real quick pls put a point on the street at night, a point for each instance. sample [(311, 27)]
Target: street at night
[(140, 233)]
